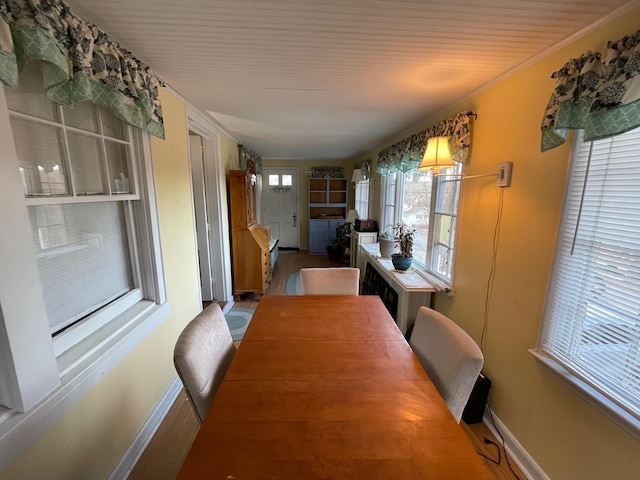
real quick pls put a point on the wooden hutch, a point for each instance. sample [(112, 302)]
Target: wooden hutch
[(250, 241)]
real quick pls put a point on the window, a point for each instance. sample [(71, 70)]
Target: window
[(591, 335), (428, 203), (362, 198), (83, 254)]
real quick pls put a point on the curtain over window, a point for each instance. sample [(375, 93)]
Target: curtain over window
[(407, 154), (81, 62), (596, 92)]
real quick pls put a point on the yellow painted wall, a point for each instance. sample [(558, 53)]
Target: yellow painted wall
[(89, 441), (567, 437), (229, 156), (303, 190)]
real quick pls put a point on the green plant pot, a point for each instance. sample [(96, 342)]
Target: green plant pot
[(400, 262)]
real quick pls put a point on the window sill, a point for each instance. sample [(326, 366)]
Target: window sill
[(81, 368), (621, 417)]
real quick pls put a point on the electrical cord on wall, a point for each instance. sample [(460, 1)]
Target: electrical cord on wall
[(506, 456), (485, 324), (492, 271)]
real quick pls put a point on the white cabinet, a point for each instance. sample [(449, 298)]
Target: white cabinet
[(322, 233), (403, 293), (327, 210), (357, 239)]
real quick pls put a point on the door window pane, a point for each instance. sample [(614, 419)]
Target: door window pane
[(287, 180)]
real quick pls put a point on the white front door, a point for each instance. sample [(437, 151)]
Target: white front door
[(280, 205)]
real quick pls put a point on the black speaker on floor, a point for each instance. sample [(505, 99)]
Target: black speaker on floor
[(474, 410)]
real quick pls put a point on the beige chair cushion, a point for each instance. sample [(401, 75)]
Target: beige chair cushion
[(202, 355), (330, 281), (451, 358)]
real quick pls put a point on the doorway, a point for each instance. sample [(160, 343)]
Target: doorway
[(280, 205), (210, 211)]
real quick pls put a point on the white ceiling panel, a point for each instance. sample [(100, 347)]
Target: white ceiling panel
[(329, 79)]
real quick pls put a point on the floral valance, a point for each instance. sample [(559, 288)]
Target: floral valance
[(407, 154), (327, 172), (364, 166), (80, 62), (247, 155), (597, 92)]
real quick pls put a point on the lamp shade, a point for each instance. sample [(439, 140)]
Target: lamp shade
[(357, 175), (437, 155), (352, 216)]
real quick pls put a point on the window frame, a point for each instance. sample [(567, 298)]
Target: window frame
[(391, 210), (587, 390), (37, 385)]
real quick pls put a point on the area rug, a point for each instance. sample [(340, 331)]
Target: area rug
[(238, 320), (293, 284)]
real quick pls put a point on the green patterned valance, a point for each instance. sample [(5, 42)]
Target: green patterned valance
[(247, 155), (407, 154), (597, 92), (80, 62), (365, 167)]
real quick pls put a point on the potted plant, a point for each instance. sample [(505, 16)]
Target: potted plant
[(388, 244), (404, 234), (337, 250)]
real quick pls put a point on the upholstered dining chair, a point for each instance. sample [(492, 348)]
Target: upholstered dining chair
[(330, 281), (202, 355), (451, 358)]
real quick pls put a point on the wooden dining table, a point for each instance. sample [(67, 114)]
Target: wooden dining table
[(326, 387)]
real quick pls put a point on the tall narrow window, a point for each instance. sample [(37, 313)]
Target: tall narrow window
[(362, 198), (591, 334), (429, 204)]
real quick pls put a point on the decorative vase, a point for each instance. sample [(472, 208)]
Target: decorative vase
[(388, 247), (400, 262)]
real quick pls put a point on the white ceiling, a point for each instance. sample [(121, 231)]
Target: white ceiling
[(329, 79)]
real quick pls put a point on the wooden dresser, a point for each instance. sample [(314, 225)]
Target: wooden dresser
[(249, 240)]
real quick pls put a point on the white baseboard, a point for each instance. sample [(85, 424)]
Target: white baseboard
[(136, 449), (517, 453)]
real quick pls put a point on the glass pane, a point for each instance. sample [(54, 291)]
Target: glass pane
[(41, 167), (444, 236), (274, 180), (118, 166), (80, 115), (29, 96), (287, 180), (111, 125), (83, 258), (85, 164)]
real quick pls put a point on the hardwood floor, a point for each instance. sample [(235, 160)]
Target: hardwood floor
[(165, 453)]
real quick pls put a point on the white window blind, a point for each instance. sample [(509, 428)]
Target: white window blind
[(83, 257), (362, 198), (593, 311)]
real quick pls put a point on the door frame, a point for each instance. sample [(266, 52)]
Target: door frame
[(216, 206), (196, 159)]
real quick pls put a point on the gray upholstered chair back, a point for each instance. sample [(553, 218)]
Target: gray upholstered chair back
[(451, 358), (202, 355), (330, 281)]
